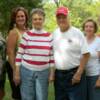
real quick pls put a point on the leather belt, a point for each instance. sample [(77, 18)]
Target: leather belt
[(66, 71)]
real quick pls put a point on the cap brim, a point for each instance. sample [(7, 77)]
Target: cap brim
[(65, 14)]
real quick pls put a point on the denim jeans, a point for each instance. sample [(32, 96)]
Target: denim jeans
[(93, 93), (34, 84), (64, 90)]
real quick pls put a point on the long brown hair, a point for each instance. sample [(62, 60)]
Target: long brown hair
[(13, 17)]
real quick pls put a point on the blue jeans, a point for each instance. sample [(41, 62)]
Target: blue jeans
[(34, 84), (64, 90), (93, 93)]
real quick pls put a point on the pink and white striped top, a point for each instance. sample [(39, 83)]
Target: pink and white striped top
[(35, 50)]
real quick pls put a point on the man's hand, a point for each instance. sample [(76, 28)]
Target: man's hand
[(76, 78), (97, 85)]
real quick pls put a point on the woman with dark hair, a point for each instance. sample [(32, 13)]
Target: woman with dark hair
[(18, 25), (93, 65)]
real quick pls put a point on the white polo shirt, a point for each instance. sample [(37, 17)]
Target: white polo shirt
[(93, 65), (68, 48)]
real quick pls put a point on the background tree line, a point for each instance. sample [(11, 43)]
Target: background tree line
[(6, 7), (79, 11)]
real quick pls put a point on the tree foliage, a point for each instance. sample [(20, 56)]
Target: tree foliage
[(7, 5), (80, 10)]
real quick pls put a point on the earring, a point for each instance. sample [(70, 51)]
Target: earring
[(14, 25)]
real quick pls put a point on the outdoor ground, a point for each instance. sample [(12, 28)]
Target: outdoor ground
[(8, 92)]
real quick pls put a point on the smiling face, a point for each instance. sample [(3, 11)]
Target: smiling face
[(63, 22), (20, 18), (37, 21), (89, 28)]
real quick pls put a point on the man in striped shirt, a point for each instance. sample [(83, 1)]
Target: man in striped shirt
[(34, 60)]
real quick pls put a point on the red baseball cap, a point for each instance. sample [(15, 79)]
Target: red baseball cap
[(62, 10)]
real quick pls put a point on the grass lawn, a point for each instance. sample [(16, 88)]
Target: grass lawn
[(8, 92)]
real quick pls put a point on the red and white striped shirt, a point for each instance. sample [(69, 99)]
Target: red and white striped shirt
[(35, 50)]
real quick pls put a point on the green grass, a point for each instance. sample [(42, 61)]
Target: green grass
[(8, 92), (51, 92)]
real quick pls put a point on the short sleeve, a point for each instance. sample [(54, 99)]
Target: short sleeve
[(98, 38), (84, 45)]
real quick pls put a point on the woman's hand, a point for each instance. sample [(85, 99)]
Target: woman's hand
[(51, 75), (17, 76)]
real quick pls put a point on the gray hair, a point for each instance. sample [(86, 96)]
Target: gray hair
[(37, 11)]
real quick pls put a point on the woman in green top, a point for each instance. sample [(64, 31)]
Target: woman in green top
[(18, 25)]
